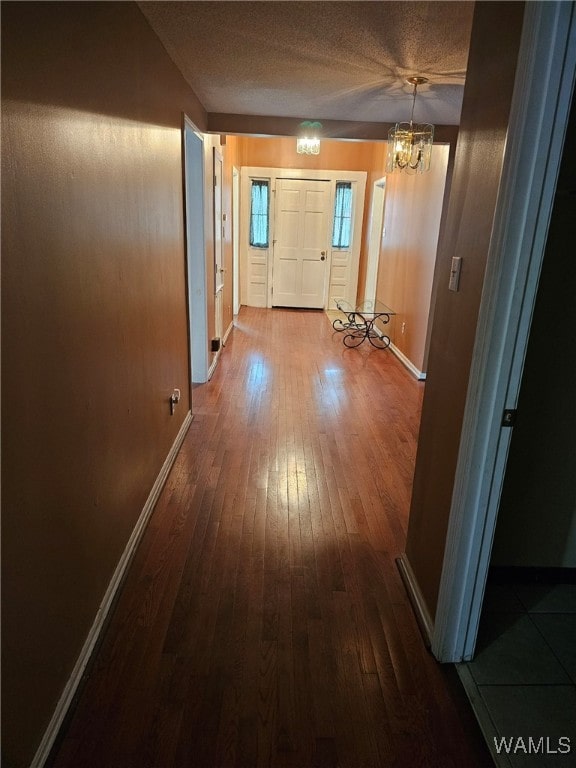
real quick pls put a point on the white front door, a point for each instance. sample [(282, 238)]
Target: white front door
[(301, 240)]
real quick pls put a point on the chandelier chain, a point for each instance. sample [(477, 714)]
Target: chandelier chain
[(413, 102)]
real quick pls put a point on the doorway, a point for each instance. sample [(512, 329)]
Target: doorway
[(219, 271), (547, 64), (257, 259), (375, 239)]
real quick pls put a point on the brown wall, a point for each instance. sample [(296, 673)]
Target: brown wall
[(268, 125), (477, 170), (93, 319)]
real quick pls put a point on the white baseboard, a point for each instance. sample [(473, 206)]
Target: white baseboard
[(225, 339), (217, 355), (71, 687), (213, 364), (416, 598), (420, 375)]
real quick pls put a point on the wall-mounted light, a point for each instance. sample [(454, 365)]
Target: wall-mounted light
[(410, 144), (308, 139)]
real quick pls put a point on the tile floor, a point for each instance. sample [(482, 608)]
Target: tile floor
[(522, 681)]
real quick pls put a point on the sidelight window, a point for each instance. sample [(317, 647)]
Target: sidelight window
[(259, 213), (342, 215)]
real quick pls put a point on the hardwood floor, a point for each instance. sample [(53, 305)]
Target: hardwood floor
[(263, 621)]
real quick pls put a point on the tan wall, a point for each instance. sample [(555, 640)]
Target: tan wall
[(412, 213), (413, 209), (281, 153), (477, 171), (93, 320)]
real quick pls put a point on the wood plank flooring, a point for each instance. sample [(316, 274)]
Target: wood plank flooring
[(263, 621)]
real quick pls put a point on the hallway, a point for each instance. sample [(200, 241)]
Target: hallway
[(263, 621)]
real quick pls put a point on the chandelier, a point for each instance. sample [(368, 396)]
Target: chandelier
[(410, 144), (308, 141)]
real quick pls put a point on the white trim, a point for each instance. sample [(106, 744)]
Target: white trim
[(375, 234), (546, 72), (420, 375), (416, 598), (228, 331), (71, 687), (213, 364), (250, 296)]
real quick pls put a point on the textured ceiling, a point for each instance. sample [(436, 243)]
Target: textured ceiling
[(320, 60)]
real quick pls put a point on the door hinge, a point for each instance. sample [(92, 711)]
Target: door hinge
[(509, 417)]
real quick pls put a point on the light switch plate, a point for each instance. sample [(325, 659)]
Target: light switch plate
[(455, 273)]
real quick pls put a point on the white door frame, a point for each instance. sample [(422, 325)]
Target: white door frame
[(375, 233), (194, 176), (540, 108)]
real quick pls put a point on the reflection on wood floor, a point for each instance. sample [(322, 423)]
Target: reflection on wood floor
[(263, 621)]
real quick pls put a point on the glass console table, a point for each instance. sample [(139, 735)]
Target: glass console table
[(360, 323)]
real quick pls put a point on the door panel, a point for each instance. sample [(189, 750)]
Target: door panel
[(288, 275), (302, 222), (312, 276)]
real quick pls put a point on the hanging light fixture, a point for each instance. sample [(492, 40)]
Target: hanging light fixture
[(308, 141), (410, 144)]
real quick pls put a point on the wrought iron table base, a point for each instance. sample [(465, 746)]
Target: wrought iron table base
[(359, 327)]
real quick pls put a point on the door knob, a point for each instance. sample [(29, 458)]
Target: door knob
[(323, 253), (322, 258)]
